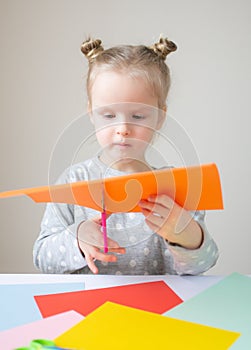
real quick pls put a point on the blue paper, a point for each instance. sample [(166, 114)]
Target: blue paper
[(17, 304), (225, 305)]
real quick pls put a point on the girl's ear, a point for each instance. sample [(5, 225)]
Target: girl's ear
[(162, 117), (89, 109)]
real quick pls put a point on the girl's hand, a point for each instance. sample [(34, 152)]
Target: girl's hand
[(91, 242), (172, 222)]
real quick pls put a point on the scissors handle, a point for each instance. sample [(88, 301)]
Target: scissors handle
[(103, 220), (42, 344)]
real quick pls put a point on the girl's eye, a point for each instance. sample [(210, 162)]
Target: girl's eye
[(138, 116), (109, 116)]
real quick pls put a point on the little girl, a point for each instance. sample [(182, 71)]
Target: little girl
[(127, 88)]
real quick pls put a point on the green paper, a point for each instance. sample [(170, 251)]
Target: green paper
[(225, 305)]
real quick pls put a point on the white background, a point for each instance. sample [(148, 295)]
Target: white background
[(42, 90)]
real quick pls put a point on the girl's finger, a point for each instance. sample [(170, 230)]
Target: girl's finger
[(104, 257), (91, 264), (98, 255), (114, 247), (119, 250), (155, 219), (163, 200), (153, 209), (151, 205)]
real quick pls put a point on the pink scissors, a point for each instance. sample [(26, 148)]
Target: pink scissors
[(103, 220)]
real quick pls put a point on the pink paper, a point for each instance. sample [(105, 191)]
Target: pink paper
[(47, 328)]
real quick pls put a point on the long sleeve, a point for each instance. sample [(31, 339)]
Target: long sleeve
[(56, 249), (195, 261)]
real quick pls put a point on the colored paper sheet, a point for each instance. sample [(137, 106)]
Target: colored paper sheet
[(47, 328), (226, 305), (114, 326), (17, 305), (151, 296), (194, 188)]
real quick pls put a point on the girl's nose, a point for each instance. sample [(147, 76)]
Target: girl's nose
[(123, 129)]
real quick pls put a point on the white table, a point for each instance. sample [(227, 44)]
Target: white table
[(185, 286)]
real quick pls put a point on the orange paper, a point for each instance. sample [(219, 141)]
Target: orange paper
[(194, 188)]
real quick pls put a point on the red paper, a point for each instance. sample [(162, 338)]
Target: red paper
[(149, 296)]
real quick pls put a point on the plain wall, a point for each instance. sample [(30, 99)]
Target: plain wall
[(42, 90)]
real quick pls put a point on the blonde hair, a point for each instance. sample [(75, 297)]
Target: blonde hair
[(137, 61)]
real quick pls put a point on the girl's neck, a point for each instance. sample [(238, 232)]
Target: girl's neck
[(127, 165)]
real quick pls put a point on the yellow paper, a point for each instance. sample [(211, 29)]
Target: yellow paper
[(114, 326)]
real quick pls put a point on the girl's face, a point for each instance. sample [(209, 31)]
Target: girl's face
[(125, 115)]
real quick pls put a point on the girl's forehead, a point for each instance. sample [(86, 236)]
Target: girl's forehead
[(126, 107), (110, 87), (125, 76)]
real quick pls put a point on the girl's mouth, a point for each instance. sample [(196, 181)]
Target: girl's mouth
[(121, 144)]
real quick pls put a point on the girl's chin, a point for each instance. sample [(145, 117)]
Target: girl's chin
[(127, 164)]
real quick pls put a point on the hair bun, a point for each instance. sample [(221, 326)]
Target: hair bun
[(164, 47), (91, 48)]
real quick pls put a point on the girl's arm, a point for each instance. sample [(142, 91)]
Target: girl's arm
[(192, 248), (56, 249), (172, 222)]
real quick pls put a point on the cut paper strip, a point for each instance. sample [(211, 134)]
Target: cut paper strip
[(194, 188), (17, 305), (151, 296), (47, 328), (115, 326), (226, 305)]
